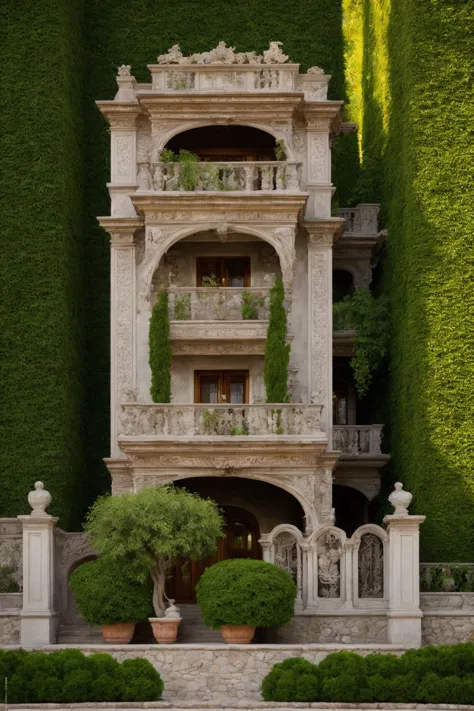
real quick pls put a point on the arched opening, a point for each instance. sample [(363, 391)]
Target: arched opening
[(72, 616), (250, 508), (342, 284), (351, 508), (225, 143), (344, 393)]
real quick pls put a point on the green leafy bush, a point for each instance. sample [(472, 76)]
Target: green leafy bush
[(438, 675), (160, 350), (246, 592), (105, 595), (145, 532), (250, 304), (277, 351), (68, 676)]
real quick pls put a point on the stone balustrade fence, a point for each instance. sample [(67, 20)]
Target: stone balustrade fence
[(218, 303), (358, 439)]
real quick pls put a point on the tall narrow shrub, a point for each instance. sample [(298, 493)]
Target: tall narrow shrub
[(160, 350), (277, 351)]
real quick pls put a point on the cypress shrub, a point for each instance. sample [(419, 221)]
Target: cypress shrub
[(160, 350), (277, 351)]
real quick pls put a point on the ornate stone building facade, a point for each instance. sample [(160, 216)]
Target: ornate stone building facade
[(216, 234)]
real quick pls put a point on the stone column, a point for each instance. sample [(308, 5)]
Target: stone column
[(122, 318), (320, 241), (38, 617), (404, 614)]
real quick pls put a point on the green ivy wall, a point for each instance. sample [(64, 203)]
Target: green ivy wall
[(410, 62), (57, 59)]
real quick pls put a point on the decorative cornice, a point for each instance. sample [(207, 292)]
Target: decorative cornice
[(217, 330), (120, 115), (322, 115), (323, 232), (121, 229), (218, 347), (229, 207)]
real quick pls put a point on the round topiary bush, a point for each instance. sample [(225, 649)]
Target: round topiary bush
[(292, 680), (246, 592), (105, 596)]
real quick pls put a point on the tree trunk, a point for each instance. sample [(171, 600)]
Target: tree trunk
[(159, 578)]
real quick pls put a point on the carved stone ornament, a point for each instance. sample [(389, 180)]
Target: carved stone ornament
[(39, 500), (11, 560), (315, 70), (286, 554), (124, 70), (329, 566), (222, 54), (370, 566), (400, 500)]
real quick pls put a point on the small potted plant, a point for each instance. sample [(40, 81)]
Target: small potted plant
[(106, 597), (146, 532), (236, 596)]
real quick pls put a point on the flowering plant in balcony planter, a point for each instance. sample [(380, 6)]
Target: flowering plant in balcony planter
[(146, 532)]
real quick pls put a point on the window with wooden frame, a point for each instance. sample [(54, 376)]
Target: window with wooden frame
[(223, 271), (221, 386)]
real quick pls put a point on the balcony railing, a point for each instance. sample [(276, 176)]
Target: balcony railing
[(362, 219), (224, 420), (218, 303), (222, 176), (358, 440)]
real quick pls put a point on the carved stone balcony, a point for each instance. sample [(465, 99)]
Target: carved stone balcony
[(251, 176), (361, 220), (358, 440), (220, 420), (218, 303)]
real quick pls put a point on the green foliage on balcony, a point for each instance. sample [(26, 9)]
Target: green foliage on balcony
[(369, 317), (277, 351), (415, 59), (160, 350)]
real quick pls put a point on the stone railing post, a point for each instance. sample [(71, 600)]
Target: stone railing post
[(38, 617), (404, 614)]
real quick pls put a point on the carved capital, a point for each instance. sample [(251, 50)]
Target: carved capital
[(121, 230)]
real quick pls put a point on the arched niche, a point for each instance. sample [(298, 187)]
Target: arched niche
[(327, 546), (225, 143), (342, 284), (159, 240), (284, 546), (370, 566)]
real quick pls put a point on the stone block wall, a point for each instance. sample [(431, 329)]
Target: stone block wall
[(9, 629), (325, 629), (447, 618)]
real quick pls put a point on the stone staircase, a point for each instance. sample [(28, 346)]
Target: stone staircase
[(192, 629)]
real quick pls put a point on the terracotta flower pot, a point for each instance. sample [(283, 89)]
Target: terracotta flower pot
[(120, 633), (238, 634), (165, 629)]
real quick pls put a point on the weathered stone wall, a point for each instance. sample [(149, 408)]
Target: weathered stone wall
[(218, 673), (322, 629), (447, 618), (9, 629)]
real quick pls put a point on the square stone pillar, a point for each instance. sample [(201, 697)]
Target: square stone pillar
[(123, 318), (322, 234), (404, 614), (38, 617), (322, 117)]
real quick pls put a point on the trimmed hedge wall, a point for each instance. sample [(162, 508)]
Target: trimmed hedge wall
[(417, 106), (41, 277)]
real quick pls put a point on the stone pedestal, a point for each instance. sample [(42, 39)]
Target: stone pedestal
[(38, 617), (404, 614)]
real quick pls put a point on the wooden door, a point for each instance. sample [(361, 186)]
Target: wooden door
[(240, 540), (221, 386)]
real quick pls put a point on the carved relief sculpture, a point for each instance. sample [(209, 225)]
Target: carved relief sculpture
[(370, 566), (329, 566)]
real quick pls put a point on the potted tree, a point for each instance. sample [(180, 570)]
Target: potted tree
[(236, 596), (106, 597), (145, 533)]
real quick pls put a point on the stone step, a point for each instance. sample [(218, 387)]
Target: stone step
[(192, 628)]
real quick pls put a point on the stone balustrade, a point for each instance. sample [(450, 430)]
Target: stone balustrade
[(222, 420), (218, 303), (246, 176), (358, 440), (362, 219)]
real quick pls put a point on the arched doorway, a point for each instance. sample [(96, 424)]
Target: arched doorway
[(351, 508), (240, 540), (225, 143)]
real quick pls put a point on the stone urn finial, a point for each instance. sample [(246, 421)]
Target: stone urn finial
[(400, 500), (39, 500)]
